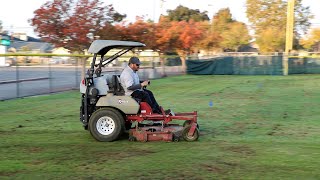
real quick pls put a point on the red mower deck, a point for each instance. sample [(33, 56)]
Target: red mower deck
[(160, 129)]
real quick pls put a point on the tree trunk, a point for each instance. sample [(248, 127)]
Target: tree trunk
[(182, 55), (162, 60)]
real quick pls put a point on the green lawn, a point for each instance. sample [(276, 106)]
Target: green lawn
[(258, 127)]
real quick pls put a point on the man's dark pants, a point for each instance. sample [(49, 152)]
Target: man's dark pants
[(147, 96)]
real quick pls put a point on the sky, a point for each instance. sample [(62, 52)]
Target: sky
[(15, 14)]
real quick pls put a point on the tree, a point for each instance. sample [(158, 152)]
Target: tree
[(179, 36), (0, 26), (67, 24), (221, 20), (180, 31), (140, 31), (182, 13), (236, 35), (271, 39), (109, 31), (270, 15), (312, 40), (210, 39), (225, 33), (302, 18)]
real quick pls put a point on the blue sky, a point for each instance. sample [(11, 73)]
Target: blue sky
[(15, 16)]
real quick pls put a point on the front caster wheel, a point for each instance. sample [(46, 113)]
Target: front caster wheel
[(187, 137), (186, 123)]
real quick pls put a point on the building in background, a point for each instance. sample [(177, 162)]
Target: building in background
[(4, 43)]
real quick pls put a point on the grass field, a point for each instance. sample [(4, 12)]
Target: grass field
[(252, 127)]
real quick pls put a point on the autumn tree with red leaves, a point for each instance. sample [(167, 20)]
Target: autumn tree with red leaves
[(110, 32), (180, 36), (66, 23), (141, 31)]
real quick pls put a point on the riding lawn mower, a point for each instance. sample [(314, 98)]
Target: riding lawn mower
[(107, 113)]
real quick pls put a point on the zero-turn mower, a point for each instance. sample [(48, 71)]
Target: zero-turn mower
[(107, 113)]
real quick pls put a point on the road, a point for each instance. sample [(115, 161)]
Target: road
[(25, 81), (37, 80)]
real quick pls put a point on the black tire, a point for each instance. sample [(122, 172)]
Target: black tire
[(132, 138), (187, 123), (106, 124), (190, 138), (128, 126)]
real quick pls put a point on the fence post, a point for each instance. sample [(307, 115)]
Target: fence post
[(152, 72), (162, 60), (83, 72), (76, 74), (50, 77), (285, 59), (17, 81)]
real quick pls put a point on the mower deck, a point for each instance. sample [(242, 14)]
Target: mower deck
[(160, 129)]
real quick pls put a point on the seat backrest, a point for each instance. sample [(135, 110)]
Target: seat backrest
[(115, 86)]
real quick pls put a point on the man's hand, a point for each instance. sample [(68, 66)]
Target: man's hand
[(145, 83)]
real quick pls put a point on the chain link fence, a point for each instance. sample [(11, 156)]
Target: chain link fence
[(27, 75)]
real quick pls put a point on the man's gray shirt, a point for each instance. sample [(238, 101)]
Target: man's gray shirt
[(129, 80)]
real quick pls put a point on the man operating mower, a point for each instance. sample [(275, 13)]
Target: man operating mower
[(135, 88)]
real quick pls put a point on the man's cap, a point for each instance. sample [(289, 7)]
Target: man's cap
[(134, 60)]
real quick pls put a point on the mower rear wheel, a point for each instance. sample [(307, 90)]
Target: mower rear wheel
[(187, 137), (106, 124)]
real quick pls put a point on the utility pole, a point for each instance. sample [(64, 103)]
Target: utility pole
[(289, 35)]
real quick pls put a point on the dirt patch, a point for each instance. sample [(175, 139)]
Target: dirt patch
[(118, 156), (245, 150), (238, 128), (35, 150), (125, 154), (219, 167), (278, 130), (8, 133), (28, 150), (8, 174), (275, 130), (180, 174), (230, 164), (36, 162), (212, 168)]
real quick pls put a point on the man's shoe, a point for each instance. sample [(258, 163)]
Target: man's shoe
[(169, 112), (157, 111)]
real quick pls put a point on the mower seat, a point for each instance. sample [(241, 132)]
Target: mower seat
[(115, 86), (138, 100)]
